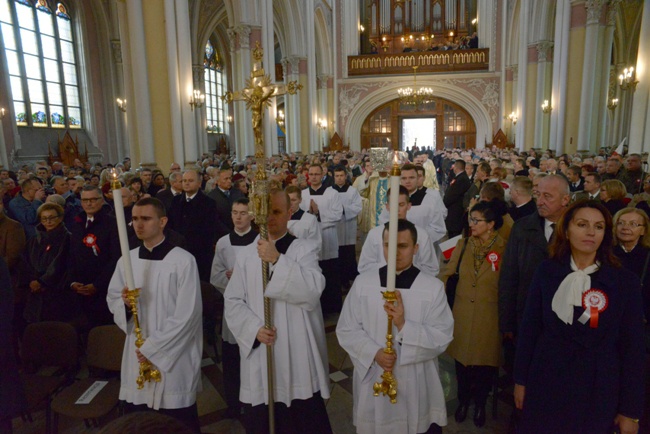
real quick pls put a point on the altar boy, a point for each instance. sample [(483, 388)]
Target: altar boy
[(422, 328), (169, 311)]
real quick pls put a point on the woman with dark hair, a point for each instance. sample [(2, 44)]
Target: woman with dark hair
[(135, 185), (580, 353), (157, 184), (477, 342), (49, 298)]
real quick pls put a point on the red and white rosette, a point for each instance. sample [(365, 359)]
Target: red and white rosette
[(90, 240), (594, 301), (493, 258)]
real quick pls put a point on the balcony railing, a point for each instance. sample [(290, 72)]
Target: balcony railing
[(427, 61)]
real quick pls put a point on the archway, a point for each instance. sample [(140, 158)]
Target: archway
[(483, 115), (451, 125)]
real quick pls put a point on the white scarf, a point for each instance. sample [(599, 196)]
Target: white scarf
[(569, 294)]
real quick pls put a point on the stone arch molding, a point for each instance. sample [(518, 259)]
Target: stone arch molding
[(482, 112)]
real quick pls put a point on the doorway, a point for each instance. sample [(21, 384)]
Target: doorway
[(418, 131)]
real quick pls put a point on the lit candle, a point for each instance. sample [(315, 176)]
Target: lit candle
[(116, 186), (393, 202)]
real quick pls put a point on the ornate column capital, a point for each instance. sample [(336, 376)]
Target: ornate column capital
[(197, 75), (594, 10), (244, 32), (116, 46), (543, 48), (232, 38), (323, 79), (612, 10), (294, 61)]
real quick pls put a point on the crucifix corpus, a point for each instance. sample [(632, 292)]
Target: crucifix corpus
[(257, 94)]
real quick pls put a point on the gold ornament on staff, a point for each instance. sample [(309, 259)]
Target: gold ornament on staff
[(388, 384), (257, 93), (147, 371)]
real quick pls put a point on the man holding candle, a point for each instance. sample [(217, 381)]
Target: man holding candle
[(170, 309), (422, 329), (372, 253)]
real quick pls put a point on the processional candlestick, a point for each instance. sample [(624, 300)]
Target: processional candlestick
[(259, 89)]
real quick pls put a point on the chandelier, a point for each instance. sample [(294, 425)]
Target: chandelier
[(415, 95)]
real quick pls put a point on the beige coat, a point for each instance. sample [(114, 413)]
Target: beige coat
[(477, 340)]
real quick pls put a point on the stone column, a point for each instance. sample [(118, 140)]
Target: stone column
[(234, 127), (246, 146), (323, 111), (292, 109), (594, 11), (560, 73), (542, 93), (121, 133), (176, 122), (601, 112), (141, 113), (640, 125), (522, 61)]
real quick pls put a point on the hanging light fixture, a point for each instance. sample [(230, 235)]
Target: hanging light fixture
[(415, 95)]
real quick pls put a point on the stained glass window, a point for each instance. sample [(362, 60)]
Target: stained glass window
[(214, 84), (38, 38)]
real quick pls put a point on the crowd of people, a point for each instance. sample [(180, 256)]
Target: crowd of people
[(548, 281)]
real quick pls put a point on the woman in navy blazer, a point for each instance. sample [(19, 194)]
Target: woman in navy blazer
[(580, 351)]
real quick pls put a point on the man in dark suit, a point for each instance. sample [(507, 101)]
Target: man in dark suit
[(94, 251), (591, 188), (576, 183), (194, 215), (224, 195), (521, 195), (175, 188), (454, 199)]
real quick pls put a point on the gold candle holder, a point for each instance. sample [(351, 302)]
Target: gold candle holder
[(388, 385), (147, 370)]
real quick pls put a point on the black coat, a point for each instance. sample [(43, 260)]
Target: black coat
[(527, 248), (635, 261), (524, 210), (165, 196), (578, 378), (580, 187), (96, 266), (198, 222), (614, 205), (12, 395), (46, 260), (224, 207), (454, 202)]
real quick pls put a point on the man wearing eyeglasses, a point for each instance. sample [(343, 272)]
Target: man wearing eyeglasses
[(94, 251)]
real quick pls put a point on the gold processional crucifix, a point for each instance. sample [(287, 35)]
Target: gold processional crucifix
[(259, 89)]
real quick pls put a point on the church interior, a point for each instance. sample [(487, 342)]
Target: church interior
[(105, 80)]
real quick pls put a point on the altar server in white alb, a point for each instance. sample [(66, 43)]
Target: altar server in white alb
[(301, 379), (228, 249), (169, 310), (427, 210), (372, 252), (323, 202), (347, 227), (302, 224), (422, 328)]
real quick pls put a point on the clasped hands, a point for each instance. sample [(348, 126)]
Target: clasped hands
[(396, 311), (82, 289)]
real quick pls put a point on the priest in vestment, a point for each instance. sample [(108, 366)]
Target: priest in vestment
[(169, 310), (422, 329), (301, 369)]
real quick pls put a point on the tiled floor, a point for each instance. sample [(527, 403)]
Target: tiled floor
[(212, 408)]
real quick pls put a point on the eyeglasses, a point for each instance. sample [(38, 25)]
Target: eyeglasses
[(50, 218), (633, 225), (91, 200), (473, 221)]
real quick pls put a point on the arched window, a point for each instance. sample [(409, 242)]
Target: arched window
[(213, 77), (39, 45)]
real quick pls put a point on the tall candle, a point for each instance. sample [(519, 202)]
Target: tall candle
[(393, 203), (116, 186)]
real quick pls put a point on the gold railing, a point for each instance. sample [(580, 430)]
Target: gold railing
[(428, 61)]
